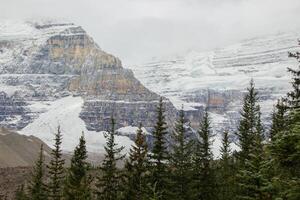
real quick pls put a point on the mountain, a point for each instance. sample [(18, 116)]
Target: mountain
[(53, 73), (218, 78)]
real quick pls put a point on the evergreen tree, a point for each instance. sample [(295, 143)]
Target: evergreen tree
[(77, 181), (159, 156), (227, 171), (154, 195), (271, 168), (21, 194), (204, 183), (294, 95), (137, 167), (56, 169), (251, 178), (181, 161), (37, 189), (285, 149), (249, 123), (108, 184), (279, 121)]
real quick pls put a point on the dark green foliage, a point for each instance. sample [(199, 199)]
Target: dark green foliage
[(77, 186), (137, 167), (21, 194), (226, 170), (154, 195), (159, 156), (56, 169), (249, 123), (279, 119), (294, 95), (204, 183), (108, 183), (251, 180), (285, 148), (37, 189), (181, 161)]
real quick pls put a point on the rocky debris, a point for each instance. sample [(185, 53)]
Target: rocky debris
[(10, 179), (19, 150)]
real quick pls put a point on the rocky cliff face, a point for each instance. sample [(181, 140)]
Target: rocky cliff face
[(218, 79), (44, 62)]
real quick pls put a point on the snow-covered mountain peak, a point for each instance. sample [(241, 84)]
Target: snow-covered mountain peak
[(54, 73), (20, 29), (218, 78)]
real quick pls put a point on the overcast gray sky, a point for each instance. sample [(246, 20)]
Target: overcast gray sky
[(137, 30)]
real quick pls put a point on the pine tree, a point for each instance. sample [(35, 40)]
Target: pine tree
[(154, 194), (227, 171), (285, 149), (159, 156), (248, 123), (56, 169), (294, 95), (108, 184), (204, 183), (279, 120), (37, 189), (77, 185), (21, 194), (251, 177), (181, 161), (137, 167), (271, 167)]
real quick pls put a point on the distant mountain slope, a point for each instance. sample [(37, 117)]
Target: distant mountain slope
[(18, 150), (44, 63), (219, 77)]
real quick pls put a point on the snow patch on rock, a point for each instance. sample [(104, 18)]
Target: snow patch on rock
[(65, 113)]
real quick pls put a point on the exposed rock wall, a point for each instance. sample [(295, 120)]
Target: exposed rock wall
[(52, 60)]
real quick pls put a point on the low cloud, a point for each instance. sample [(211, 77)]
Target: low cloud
[(137, 30)]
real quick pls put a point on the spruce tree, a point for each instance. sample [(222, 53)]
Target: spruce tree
[(137, 167), (271, 168), (159, 156), (285, 149), (181, 160), (249, 123), (279, 120), (108, 183), (204, 183), (36, 188), (21, 194), (56, 169), (227, 170), (251, 177), (294, 95), (154, 194), (77, 186)]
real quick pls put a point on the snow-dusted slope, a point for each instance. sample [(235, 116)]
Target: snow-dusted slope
[(218, 78), (65, 113), (53, 73)]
